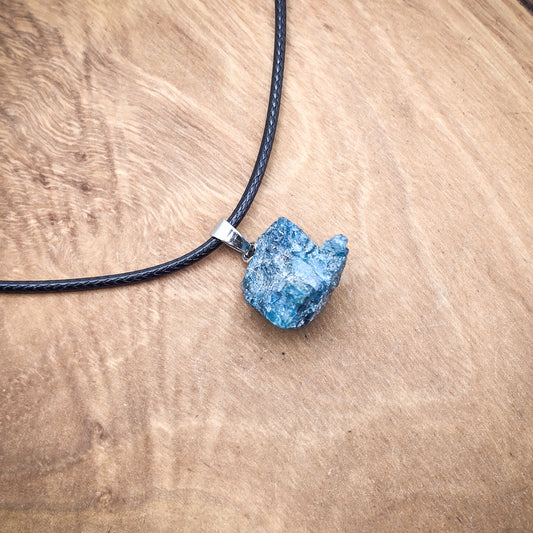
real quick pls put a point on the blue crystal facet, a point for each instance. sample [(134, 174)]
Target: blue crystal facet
[(289, 278)]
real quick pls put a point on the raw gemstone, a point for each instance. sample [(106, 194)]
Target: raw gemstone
[(289, 278)]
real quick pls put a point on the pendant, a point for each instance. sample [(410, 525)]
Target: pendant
[(289, 279)]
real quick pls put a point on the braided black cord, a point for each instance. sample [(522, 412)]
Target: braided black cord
[(115, 280)]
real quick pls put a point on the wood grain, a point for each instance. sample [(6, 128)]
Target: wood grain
[(127, 129)]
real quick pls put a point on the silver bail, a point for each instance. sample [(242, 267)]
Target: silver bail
[(226, 233)]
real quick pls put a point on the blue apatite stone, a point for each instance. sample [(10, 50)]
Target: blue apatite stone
[(289, 278)]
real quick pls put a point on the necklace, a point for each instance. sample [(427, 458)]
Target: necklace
[(289, 278)]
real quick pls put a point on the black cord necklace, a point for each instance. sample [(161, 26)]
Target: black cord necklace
[(298, 298), (145, 274)]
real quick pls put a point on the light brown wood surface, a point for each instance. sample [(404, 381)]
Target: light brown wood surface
[(128, 129)]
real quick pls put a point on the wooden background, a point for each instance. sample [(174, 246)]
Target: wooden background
[(128, 129)]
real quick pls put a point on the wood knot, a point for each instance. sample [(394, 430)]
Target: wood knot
[(97, 432), (105, 498)]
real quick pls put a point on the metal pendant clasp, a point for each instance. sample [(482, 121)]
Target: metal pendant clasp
[(226, 233)]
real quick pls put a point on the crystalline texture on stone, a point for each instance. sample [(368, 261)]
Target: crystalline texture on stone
[(289, 278)]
